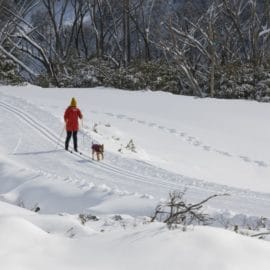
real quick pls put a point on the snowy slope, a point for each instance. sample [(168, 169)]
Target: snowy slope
[(206, 146), (43, 242), (151, 247), (214, 140), (178, 146)]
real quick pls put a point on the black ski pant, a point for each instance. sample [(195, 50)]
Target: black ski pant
[(74, 135)]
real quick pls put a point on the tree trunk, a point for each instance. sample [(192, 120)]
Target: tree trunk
[(212, 55), (126, 32)]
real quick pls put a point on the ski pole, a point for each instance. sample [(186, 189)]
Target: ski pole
[(83, 133), (82, 123), (59, 138)]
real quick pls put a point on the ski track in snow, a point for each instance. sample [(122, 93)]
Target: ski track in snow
[(192, 140), (152, 176), (50, 136)]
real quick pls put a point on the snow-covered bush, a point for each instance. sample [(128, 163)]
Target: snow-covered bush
[(81, 73), (87, 217), (8, 71), (125, 79), (262, 91), (131, 146), (241, 81), (237, 80), (159, 76), (78, 73), (176, 211)]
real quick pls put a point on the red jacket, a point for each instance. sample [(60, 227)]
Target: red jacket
[(71, 118)]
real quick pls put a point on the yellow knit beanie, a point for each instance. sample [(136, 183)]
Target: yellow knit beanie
[(73, 102)]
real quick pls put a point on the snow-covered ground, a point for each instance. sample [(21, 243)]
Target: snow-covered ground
[(205, 146)]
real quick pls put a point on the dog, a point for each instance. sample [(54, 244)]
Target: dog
[(97, 149)]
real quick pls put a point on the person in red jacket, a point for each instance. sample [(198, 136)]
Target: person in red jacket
[(71, 116)]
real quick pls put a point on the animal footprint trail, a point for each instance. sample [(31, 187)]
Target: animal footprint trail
[(189, 138), (206, 148), (244, 158), (197, 143), (223, 153), (172, 130), (261, 163), (141, 122), (131, 119), (186, 137)]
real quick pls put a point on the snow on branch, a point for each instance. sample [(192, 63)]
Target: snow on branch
[(19, 62), (177, 211)]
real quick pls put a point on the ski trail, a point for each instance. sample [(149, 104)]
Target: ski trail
[(50, 136)]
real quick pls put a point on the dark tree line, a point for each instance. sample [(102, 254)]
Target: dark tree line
[(212, 47)]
